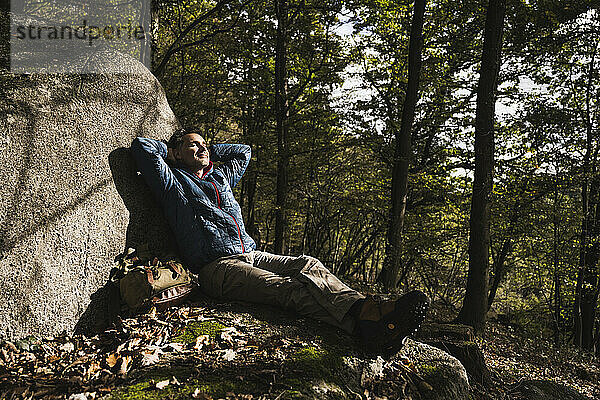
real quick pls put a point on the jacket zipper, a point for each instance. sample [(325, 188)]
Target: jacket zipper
[(219, 206), (232, 217)]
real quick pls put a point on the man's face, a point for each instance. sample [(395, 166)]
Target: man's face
[(193, 151)]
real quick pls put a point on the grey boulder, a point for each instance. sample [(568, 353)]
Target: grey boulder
[(70, 198)]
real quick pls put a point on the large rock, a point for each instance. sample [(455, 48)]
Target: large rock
[(274, 354), (445, 374), (458, 340), (70, 200)]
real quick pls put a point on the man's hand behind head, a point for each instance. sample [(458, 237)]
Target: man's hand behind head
[(170, 156)]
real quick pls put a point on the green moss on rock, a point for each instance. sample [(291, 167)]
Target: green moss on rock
[(195, 329), (436, 375), (428, 370), (313, 368), (315, 362)]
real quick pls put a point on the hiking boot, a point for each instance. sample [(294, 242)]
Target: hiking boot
[(383, 325)]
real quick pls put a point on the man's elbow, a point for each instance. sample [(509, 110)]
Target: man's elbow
[(138, 144), (247, 151)]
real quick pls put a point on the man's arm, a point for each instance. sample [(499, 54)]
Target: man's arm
[(150, 156), (235, 159)]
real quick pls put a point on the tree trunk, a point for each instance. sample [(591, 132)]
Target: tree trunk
[(500, 268), (589, 273), (251, 135), (586, 291), (589, 289), (474, 306), (146, 22), (402, 152), (282, 116), (582, 247), (556, 265), (154, 25), (4, 35)]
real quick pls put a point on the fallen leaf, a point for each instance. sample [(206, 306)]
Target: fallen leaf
[(52, 359), (67, 347), (11, 347), (134, 343), (178, 347), (226, 337), (5, 355), (162, 384), (112, 359), (201, 341), (80, 396), (425, 387), (92, 369), (200, 395), (228, 355), (125, 365), (404, 360), (44, 371), (151, 357), (122, 347)]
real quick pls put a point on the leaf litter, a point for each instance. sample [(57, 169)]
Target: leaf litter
[(78, 367), (81, 368)]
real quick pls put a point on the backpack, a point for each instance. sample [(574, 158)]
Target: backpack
[(142, 284)]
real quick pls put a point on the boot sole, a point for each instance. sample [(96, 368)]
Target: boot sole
[(387, 336)]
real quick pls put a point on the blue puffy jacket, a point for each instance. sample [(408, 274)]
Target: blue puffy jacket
[(201, 210)]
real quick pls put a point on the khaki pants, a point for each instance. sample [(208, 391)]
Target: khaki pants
[(301, 284)]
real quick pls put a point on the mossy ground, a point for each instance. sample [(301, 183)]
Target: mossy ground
[(299, 374), (316, 363), (215, 386), (309, 365)]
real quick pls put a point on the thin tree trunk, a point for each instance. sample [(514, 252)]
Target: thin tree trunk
[(474, 306), (589, 288), (500, 269), (597, 339), (282, 114), (499, 263), (4, 35), (556, 265), (402, 153), (252, 125), (154, 25), (589, 279), (251, 207), (582, 248), (306, 227), (586, 291), (146, 22)]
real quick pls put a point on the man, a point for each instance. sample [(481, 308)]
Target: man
[(197, 200)]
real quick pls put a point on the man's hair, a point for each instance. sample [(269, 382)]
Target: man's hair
[(177, 137)]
